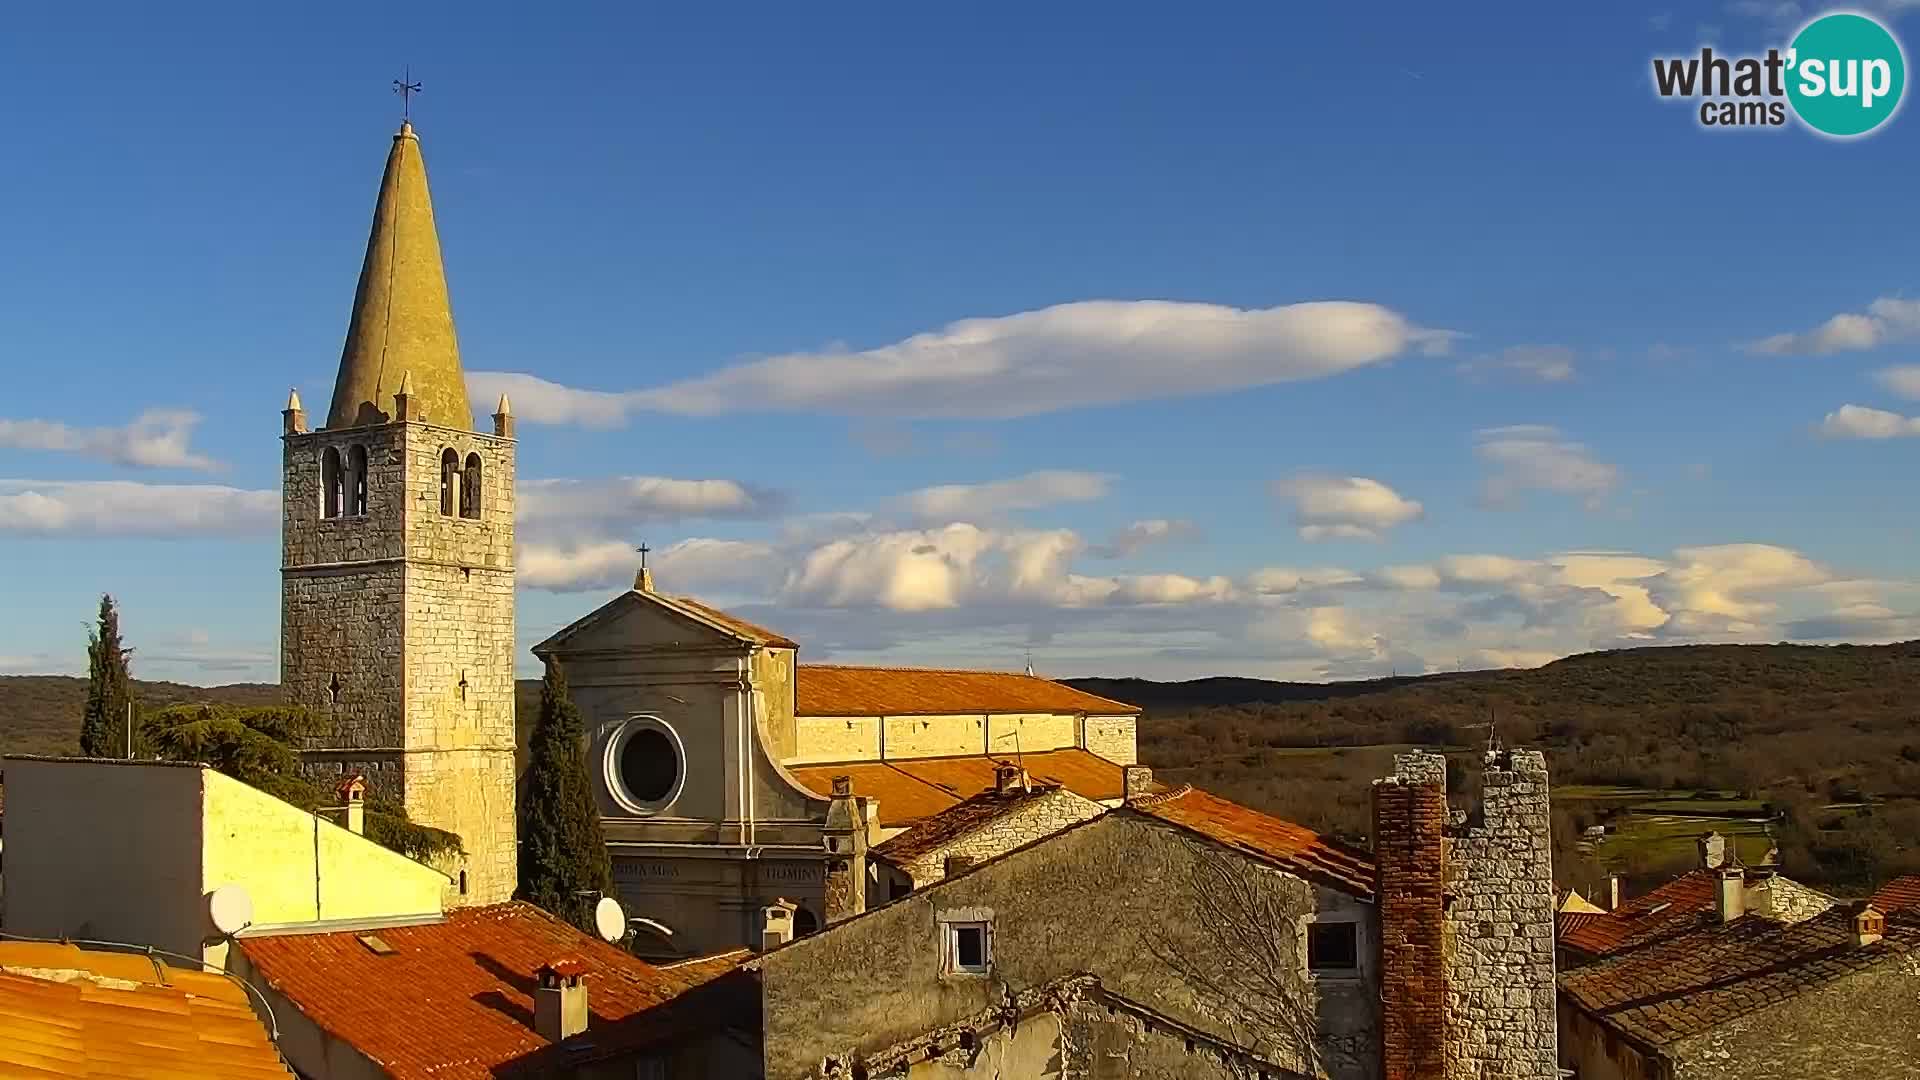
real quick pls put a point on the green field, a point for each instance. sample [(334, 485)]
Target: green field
[(1650, 827)]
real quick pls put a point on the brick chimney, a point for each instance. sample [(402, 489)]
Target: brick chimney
[(1869, 925), (776, 927), (1730, 893), (1136, 781), (560, 1000), (845, 837), (1713, 850), (1409, 850), (352, 793), (1009, 779)]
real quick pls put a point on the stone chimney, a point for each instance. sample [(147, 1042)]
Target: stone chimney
[(503, 418), (1730, 893), (1869, 925), (352, 793), (1009, 779), (845, 837), (776, 927), (293, 418), (957, 864), (1613, 892), (560, 1000), (1713, 850), (1136, 780)]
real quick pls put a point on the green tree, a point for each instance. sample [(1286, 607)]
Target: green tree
[(259, 747), (103, 726), (564, 865)]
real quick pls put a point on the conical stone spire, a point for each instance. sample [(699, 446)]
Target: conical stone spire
[(402, 320)]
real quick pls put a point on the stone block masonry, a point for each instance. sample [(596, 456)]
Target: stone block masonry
[(1466, 923), (399, 624)]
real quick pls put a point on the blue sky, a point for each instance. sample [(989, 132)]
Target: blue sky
[(936, 337)]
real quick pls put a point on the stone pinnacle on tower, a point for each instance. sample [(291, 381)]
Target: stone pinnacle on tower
[(402, 320)]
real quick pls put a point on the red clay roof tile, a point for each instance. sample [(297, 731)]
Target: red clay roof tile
[(1644, 916), (453, 1001), (913, 789), (1292, 847), (1899, 894)]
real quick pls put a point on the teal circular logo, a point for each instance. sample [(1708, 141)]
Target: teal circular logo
[(1845, 74)]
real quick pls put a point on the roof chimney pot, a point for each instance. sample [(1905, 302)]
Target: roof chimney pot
[(560, 1000)]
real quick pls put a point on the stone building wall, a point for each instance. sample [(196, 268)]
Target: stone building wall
[(1040, 818), (1786, 900), (1500, 970), (1113, 738), (412, 612)]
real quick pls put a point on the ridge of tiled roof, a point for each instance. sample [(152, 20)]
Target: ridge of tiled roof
[(1291, 847), (852, 690), (451, 1000), (1644, 916), (1705, 972), (734, 624), (958, 820)]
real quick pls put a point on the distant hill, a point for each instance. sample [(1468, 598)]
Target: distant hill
[(40, 714)]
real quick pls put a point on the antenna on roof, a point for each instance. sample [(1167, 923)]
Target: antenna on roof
[(609, 920), (230, 909)]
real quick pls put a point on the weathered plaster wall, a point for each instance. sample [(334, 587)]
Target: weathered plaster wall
[(936, 736), (1039, 818), (1596, 1052), (1862, 1025), (1008, 733), (877, 980), (1112, 737), (309, 1048), (106, 850), (835, 738)]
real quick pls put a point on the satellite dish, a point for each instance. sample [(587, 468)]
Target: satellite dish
[(230, 908), (609, 920)]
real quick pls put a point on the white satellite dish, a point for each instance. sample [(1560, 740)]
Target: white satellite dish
[(609, 920), (230, 908)]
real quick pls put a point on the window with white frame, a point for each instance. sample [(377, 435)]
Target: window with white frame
[(966, 941)]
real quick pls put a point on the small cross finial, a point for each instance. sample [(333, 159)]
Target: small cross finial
[(643, 549), (406, 88)]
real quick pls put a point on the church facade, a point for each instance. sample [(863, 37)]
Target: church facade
[(733, 778), (396, 603)]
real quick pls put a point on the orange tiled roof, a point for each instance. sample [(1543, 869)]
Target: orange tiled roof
[(69, 1012), (452, 1000), (1898, 894), (1295, 848), (735, 625), (1643, 917), (836, 690), (1567, 922), (1705, 972), (912, 789), (702, 969)]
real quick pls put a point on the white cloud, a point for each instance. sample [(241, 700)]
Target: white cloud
[(1531, 363), (1329, 507), (156, 439), (1141, 535), (1090, 353), (689, 566), (1486, 659), (125, 508), (951, 502), (1729, 587), (1886, 321), (1281, 581), (1534, 457), (640, 498), (1860, 422), (1901, 379)]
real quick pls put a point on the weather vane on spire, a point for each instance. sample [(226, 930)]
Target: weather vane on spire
[(406, 88)]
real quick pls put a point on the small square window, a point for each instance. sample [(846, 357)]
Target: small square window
[(1333, 947), (967, 948)]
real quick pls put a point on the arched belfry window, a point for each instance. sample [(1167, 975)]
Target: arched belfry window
[(449, 481), (357, 481), (470, 488), (333, 483)]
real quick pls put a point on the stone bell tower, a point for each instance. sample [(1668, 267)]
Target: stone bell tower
[(396, 601)]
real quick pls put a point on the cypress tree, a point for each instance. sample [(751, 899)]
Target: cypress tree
[(564, 866), (103, 726)]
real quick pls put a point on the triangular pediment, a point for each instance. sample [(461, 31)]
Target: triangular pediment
[(637, 620)]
